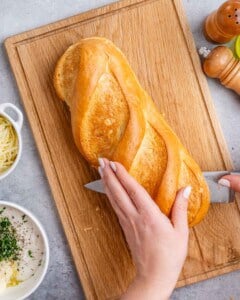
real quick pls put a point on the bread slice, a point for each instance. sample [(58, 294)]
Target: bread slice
[(113, 117)]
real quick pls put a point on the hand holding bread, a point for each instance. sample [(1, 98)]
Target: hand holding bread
[(151, 236)]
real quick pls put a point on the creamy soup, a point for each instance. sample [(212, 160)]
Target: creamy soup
[(24, 253)]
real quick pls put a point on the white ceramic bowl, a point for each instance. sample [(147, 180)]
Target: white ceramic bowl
[(17, 126), (26, 288)]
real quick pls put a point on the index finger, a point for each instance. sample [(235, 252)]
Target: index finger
[(136, 192), (116, 192)]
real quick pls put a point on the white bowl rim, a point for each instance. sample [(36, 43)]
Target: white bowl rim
[(19, 136), (45, 241)]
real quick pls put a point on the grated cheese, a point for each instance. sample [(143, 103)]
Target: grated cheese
[(8, 144)]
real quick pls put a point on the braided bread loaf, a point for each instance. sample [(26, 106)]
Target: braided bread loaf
[(113, 117)]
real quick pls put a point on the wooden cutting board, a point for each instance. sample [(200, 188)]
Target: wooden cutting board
[(156, 39)]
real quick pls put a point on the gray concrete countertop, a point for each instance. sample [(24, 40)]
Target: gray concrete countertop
[(28, 186)]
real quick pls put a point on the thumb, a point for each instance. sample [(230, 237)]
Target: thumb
[(179, 210), (232, 181)]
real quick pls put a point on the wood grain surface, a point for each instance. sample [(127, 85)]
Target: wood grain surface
[(157, 41)]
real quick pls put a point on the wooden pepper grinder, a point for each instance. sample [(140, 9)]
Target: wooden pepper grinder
[(222, 25), (221, 63)]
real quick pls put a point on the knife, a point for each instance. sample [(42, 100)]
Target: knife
[(218, 193)]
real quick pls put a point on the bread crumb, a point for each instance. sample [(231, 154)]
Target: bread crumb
[(87, 229), (203, 51)]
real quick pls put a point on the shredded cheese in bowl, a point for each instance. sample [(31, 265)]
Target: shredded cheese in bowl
[(8, 144)]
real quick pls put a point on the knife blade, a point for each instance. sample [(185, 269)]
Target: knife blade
[(96, 186), (218, 193)]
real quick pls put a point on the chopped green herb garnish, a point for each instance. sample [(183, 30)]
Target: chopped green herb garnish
[(23, 217), (9, 249), (30, 253), (2, 210)]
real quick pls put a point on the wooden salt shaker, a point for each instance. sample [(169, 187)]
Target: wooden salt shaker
[(221, 63), (222, 25)]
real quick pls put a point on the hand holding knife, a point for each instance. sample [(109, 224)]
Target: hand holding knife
[(219, 193)]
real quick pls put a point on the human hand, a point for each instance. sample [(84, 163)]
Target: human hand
[(158, 245), (232, 181)]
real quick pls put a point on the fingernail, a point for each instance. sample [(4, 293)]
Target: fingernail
[(100, 171), (187, 191), (101, 162), (113, 166), (224, 182)]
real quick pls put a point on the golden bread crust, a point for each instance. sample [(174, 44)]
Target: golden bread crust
[(113, 117)]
